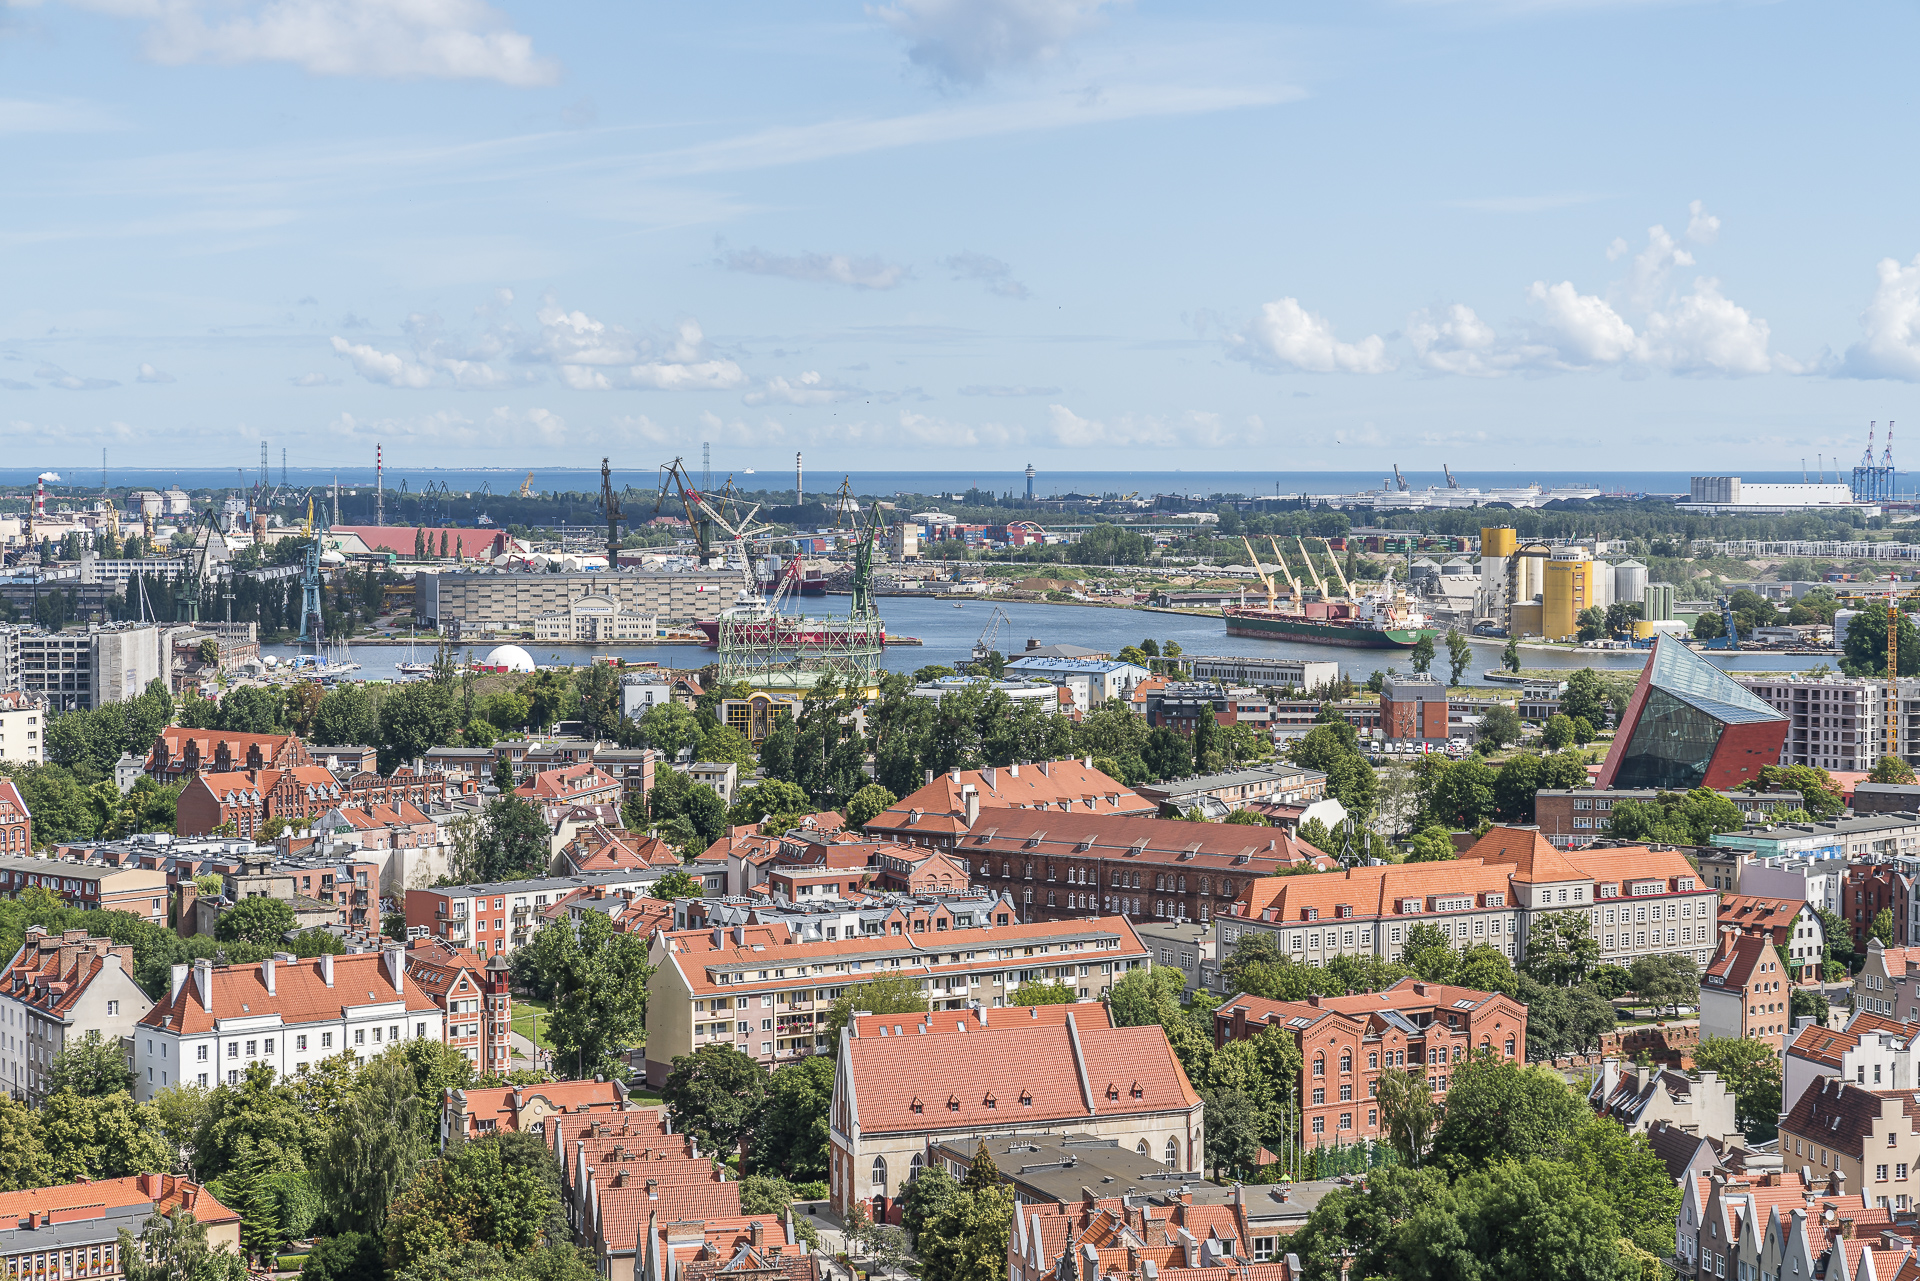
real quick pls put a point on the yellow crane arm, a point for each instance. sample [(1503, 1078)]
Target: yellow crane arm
[(1312, 573), (1281, 557), (1345, 587), (1266, 579)]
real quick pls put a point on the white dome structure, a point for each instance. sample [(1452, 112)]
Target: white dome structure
[(510, 657)]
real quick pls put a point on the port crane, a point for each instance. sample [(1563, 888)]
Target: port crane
[(526, 487), (610, 504), (989, 634), (1280, 558), (1312, 573), (1345, 587), (1451, 482), (1400, 480), (1266, 579)]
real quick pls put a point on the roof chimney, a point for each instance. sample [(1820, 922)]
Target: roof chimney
[(179, 979), (266, 974), (203, 982), (397, 967), (970, 800), (326, 968)]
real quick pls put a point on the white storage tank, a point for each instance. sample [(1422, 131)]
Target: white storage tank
[(1630, 581)]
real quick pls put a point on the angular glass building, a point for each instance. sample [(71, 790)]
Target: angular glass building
[(1689, 725)]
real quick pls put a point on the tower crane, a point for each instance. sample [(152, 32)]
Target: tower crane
[(1281, 557), (1266, 579), (1312, 573)]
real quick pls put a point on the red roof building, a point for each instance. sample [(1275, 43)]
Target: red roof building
[(73, 1229), (893, 1096), (524, 1109), (55, 990), (948, 806), (1346, 1042), (16, 820), (1746, 992), (406, 541), (473, 995), (179, 752)]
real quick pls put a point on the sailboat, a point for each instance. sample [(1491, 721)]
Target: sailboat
[(412, 667)]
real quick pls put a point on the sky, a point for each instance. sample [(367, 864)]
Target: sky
[(946, 234)]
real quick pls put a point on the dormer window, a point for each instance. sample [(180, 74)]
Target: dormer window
[(917, 1106), (1026, 1098), (990, 1101), (953, 1103), (1113, 1091)]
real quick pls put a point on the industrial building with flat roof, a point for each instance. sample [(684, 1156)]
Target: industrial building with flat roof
[(511, 600)]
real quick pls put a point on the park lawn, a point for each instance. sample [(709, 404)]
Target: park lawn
[(530, 1020)]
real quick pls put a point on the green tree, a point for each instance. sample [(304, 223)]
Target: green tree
[(1408, 1114), (1536, 1219), (174, 1248), (1168, 754), (255, 920), (867, 804), (90, 1067), (1865, 649), (1352, 1230), (1561, 948), (1586, 695), (1235, 1122), (1034, 992), (1751, 1070), (672, 728), (676, 885), (474, 1194), (1592, 623), (346, 1256), (1882, 927), (724, 744), (1499, 1111), (1434, 845), (1459, 655), (1423, 653), (1141, 996), (890, 995), (1558, 732), (1666, 981), (23, 1160), (512, 841), (926, 1198), (1510, 656), (966, 1238), (1636, 1181), (751, 804), (374, 1145), (1500, 725), (108, 1137), (598, 979), (716, 1094), (1890, 769), (1820, 795), (413, 719), (790, 1134)]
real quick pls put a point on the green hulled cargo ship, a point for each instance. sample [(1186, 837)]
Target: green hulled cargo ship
[(1378, 620)]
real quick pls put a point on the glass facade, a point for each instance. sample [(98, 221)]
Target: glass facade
[(1671, 746), (1688, 705)]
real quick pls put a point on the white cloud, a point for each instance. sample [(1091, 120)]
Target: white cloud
[(869, 272), (1652, 267), (1288, 336), (965, 41), (315, 380), (584, 348), (1585, 329), (529, 426), (387, 367), (442, 426), (997, 276), (1702, 227), (809, 388), (148, 374), (1891, 348), (1456, 341), (640, 427), (1704, 333), (978, 389), (58, 377), (381, 39)]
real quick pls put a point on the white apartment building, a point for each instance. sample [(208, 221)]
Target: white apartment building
[(1839, 722), (217, 1022), (23, 725), (56, 990)]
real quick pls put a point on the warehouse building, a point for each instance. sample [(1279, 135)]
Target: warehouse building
[(511, 600)]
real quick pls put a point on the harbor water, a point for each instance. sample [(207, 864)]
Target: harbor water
[(948, 634)]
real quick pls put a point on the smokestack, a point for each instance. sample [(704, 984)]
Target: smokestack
[(799, 495), (379, 486)]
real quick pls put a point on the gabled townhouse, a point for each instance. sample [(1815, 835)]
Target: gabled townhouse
[(553, 791), (56, 990), (1789, 924), (600, 848), (217, 1022), (630, 911), (1346, 1042), (757, 1247), (179, 752), (1868, 1138), (1886, 983), (1648, 1098), (495, 918), (1745, 993), (1872, 888), (895, 1096), (1098, 1238), (473, 996), (526, 1109), (766, 989), (1873, 1050)]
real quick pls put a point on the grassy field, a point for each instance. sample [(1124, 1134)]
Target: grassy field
[(530, 1020)]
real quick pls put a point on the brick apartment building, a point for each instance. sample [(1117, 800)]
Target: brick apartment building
[(495, 918), (473, 996), (1746, 992), (1061, 866), (139, 891), (1346, 1042), (302, 793), (946, 808), (1414, 709), (16, 820), (58, 989)]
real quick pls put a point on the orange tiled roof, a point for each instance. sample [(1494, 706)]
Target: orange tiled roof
[(301, 994), (72, 1202), (1065, 787), (951, 1022)]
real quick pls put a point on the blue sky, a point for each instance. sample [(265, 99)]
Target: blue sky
[(931, 233)]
